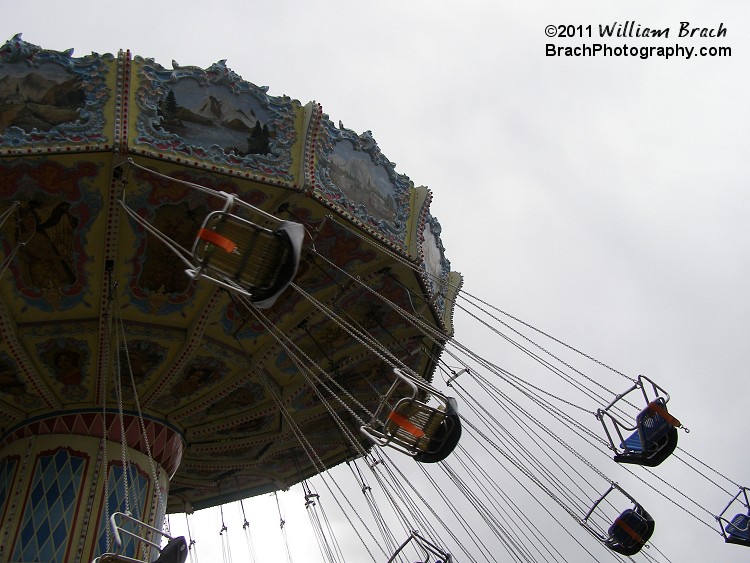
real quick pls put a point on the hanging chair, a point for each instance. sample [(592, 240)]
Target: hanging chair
[(239, 247), (629, 532), (654, 435), (737, 530), (176, 550), (426, 549), (405, 422)]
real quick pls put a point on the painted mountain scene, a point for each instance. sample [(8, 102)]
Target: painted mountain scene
[(363, 182), (39, 99), (205, 116)]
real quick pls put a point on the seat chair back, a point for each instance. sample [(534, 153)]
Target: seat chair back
[(736, 530), (237, 253), (411, 425), (176, 550), (651, 438)]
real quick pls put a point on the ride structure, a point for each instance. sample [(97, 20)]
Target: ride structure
[(208, 293), (195, 275)]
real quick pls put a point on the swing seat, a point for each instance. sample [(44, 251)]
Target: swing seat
[(738, 530), (241, 255), (240, 247), (431, 433), (654, 439), (427, 433), (176, 550), (630, 531)]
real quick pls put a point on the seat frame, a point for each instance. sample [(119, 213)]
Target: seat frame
[(426, 546), (401, 423), (725, 523), (117, 529), (608, 539), (198, 260), (653, 450)]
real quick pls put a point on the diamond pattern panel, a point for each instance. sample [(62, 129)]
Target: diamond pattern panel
[(7, 472), (50, 508), (138, 485)]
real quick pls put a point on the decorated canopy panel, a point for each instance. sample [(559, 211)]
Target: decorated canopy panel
[(86, 291)]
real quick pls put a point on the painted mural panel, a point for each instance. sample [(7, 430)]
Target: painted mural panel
[(67, 360), (14, 389), (436, 266), (216, 116), (55, 208), (352, 174), (51, 97), (197, 377)]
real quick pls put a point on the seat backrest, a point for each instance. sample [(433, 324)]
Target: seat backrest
[(630, 531), (257, 256), (445, 438), (628, 528), (257, 259), (412, 423), (739, 528), (176, 551), (652, 424)]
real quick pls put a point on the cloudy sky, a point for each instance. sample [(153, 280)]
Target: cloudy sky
[(602, 199)]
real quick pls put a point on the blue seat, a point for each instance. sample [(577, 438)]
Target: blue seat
[(738, 530), (654, 439), (630, 531)]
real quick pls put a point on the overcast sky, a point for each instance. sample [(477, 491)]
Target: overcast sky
[(602, 199)]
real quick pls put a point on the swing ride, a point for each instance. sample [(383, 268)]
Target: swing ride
[(208, 294)]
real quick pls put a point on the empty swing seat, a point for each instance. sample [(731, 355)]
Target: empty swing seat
[(630, 531), (654, 439), (244, 256), (427, 433), (175, 551), (738, 530), (431, 433)]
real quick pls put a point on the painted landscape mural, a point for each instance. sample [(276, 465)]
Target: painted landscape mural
[(215, 117), (40, 99)]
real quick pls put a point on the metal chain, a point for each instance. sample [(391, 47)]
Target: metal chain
[(588, 357), (283, 340), (141, 420), (107, 354), (121, 415), (709, 467)]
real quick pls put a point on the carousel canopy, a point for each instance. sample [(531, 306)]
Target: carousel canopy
[(99, 316)]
